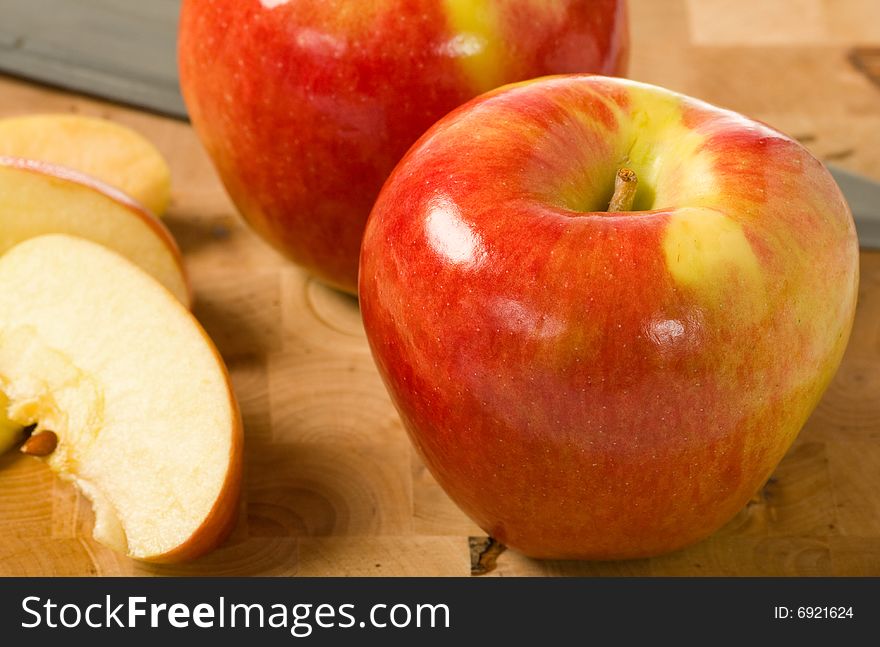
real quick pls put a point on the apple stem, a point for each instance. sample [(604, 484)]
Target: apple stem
[(41, 443), (625, 185)]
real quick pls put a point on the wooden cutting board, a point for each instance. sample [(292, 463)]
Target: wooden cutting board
[(332, 486)]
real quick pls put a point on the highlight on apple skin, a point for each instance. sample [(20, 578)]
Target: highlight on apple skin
[(600, 385), (306, 106)]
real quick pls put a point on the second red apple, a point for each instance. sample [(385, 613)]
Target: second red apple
[(306, 106)]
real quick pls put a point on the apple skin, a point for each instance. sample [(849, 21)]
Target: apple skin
[(306, 106), (605, 386)]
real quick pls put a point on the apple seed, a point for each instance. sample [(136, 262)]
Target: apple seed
[(41, 443)]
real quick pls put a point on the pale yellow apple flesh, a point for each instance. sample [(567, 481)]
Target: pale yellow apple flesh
[(37, 198), (103, 149), (95, 350)]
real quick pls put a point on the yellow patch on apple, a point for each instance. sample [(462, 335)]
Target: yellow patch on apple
[(671, 160), (476, 41), (647, 134), (703, 248)]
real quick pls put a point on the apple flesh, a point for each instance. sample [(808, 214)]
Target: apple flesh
[(95, 352), (306, 106), (587, 384), (105, 150), (39, 198)]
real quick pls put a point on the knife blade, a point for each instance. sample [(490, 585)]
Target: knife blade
[(863, 196), (121, 50)]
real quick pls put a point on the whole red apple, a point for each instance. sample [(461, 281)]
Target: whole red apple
[(587, 384), (306, 105)]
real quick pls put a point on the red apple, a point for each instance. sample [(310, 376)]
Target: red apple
[(306, 105), (587, 384)]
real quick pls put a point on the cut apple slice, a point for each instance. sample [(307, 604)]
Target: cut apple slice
[(39, 198), (103, 149), (96, 351)]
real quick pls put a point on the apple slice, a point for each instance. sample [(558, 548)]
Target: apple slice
[(103, 149), (95, 351), (39, 198)]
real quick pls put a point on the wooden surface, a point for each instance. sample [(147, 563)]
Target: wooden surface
[(332, 486)]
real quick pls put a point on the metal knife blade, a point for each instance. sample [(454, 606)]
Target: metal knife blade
[(122, 50), (863, 196)]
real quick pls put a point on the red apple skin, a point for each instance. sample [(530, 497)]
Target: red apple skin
[(570, 381), (306, 107)]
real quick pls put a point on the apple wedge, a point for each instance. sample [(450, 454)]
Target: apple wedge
[(103, 149), (98, 354), (39, 198)]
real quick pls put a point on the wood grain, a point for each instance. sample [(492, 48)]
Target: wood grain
[(332, 486)]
